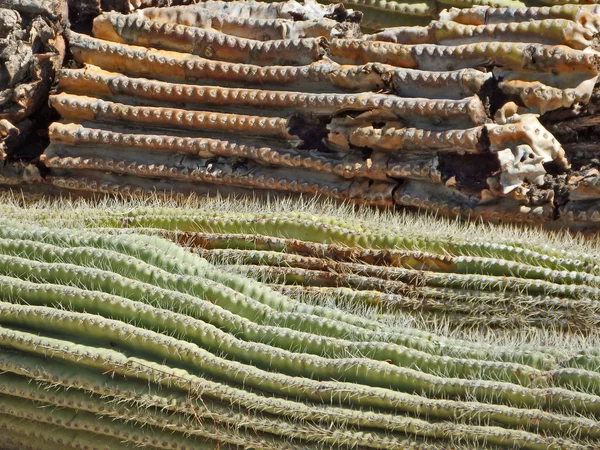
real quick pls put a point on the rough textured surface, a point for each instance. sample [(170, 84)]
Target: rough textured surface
[(443, 117), (32, 48), (113, 337)]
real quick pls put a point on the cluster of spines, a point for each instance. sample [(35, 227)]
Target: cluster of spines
[(174, 322)]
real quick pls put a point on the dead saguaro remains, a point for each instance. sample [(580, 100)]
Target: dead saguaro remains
[(32, 49), (464, 115)]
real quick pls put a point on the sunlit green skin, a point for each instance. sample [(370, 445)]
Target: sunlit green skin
[(109, 282), (83, 421), (365, 372), (261, 355), (168, 399), (35, 431), (329, 230), (132, 366), (156, 342), (170, 349), (198, 421)]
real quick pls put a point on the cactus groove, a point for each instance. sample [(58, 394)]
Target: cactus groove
[(141, 327)]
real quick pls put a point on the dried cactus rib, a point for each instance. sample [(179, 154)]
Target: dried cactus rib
[(540, 98), (210, 44), (378, 193), (261, 29), (412, 426), (492, 3), (117, 143), (548, 31), (517, 56), (404, 82), (116, 87), (485, 15), (290, 10), (87, 108), (172, 66), (470, 140)]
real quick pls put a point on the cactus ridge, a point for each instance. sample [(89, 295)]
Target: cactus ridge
[(118, 333)]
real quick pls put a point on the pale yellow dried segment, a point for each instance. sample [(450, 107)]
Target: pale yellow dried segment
[(404, 82), (583, 212), (539, 98), (357, 51), (115, 87), (249, 27), (360, 191), (527, 129), (419, 169), (391, 139), (77, 107), (538, 57), (425, 8), (431, 84), (448, 201), (136, 30), (547, 31), (90, 183), (292, 10), (249, 9), (584, 185), (586, 15), (73, 141), (172, 66), (401, 35), (469, 3)]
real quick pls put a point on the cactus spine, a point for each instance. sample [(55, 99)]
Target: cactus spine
[(131, 339)]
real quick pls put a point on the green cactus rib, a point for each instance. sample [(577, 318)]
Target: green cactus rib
[(318, 228), (100, 358), (212, 312), (45, 435), (410, 260), (199, 423), (258, 354), (356, 370), (224, 423), (577, 314), (122, 336), (164, 255), (181, 353), (373, 279), (166, 399), (431, 343), (78, 419)]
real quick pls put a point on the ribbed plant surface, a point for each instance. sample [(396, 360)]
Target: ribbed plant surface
[(227, 324)]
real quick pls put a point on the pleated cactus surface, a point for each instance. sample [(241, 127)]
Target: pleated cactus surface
[(472, 114), (116, 332)]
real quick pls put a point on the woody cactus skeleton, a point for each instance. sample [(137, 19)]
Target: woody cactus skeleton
[(178, 352), (190, 99)]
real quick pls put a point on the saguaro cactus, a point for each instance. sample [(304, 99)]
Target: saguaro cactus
[(133, 339)]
